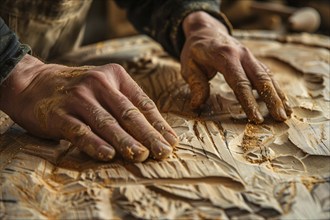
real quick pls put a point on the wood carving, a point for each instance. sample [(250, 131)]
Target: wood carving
[(223, 167)]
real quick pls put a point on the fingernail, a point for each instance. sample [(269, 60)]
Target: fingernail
[(193, 104), (288, 108), (170, 138), (282, 114), (258, 117), (141, 153), (160, 150), (106, 153), (134, 152), (196, 100)]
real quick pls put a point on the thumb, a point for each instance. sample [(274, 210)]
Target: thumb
[(198, 84)]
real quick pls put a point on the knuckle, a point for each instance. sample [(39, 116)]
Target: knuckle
[(101, 118), (102, 122), (79, 130), (228, 50), (75, 133), (117, 73), (242, 85), (130, 114), (245, 50), (78, 91), (58, 112), (197, 45), (116, 68), (263, 78), (146, 104), (94, 76), (95, 111)]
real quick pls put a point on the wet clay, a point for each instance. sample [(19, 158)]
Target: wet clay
[(223, 166)]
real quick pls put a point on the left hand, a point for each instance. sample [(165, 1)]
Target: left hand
[(209, 49), (100, 110)]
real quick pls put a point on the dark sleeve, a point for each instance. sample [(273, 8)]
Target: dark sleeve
[(11, 50), (162, 19)]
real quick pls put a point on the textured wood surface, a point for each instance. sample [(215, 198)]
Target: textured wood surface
[(223, 168)]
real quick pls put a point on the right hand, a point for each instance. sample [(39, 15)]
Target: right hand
[(101, 110), (210, 49)]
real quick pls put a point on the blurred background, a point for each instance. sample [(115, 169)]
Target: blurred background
[(105, 20)]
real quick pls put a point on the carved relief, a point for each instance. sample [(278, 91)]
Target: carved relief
[(223, 167)]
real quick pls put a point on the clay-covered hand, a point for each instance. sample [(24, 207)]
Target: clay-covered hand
[(209, 49), (101, 109)]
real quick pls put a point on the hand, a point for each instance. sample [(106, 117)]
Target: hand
[(101, 110), (209, 49)]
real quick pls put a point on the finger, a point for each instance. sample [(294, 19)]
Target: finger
[(262, 82), (134, 122), (107, 127), (137, 125), (148, 108), (198, 84), (285, 102), (279, 91), (80, 135), (135, 94), (236, 78)]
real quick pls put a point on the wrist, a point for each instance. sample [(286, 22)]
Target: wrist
[(198, 20), (19, 78)]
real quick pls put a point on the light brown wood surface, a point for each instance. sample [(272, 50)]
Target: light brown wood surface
[(223, 167)]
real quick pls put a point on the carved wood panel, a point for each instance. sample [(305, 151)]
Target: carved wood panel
[(223, 168)]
